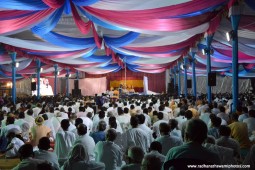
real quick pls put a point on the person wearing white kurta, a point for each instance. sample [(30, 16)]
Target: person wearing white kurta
[(167, 141), (64, 141), (13, 146), (108, 152), (88, 122), (79, 160), (85, 140), (145, 128), (44, 154), (250, 122), (135, 136), (155, 126)]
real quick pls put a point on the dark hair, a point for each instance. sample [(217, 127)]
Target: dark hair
[(111, 135), (78, 121), (134, 121), (112, 122), (196, 131), (216, 122), (155, 145), (252, 113), (10, 120), (126, 110), (101, 114), (45, 117), (30, 112), (44, 143), (188, 114), (160, 115), (141, 118), (164, 128), (81, 129), (222, 109), (173, 124), (120, 111), (224, 130), (21, 115), (145, 111), (101, 126), (65, 124), (25, 151)]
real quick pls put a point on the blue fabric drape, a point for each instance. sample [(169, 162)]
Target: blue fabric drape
[(121, 41), (68, 42), (84, 2), (110, 66), (250, 3), (98, 21), (48, 24), (102, 58), (23, 4)]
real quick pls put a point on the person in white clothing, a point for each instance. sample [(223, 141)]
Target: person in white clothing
[(145, 128), (79, 160), (29, 118), (45, 154), (250, 122), (64, 141), (85, 140), (167, 141), (37, 109), (14, 144), (108, 152), (135, 136), (155, 126)]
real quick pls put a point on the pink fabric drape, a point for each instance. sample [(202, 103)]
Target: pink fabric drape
[(241, 55), (54, 3), (13, 13), (164, 12), (214, 24), (23, 21), (83, 27), (154, 24), (97, 39)]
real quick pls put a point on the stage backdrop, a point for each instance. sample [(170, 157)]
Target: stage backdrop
[(156, 82)]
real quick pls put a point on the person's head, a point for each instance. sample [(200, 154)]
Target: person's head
[(156, 146), (39, 120), (151, 162), (145, 111), (26, 151), (252, 113), (235, 117), (210, 139), (78, 121), (216, 122), (65, 124), (112, 122), (89, 115), (44, 143), (196, 131), (126, 110), (188, 114), (224, 130), (141, 118), (111, 135), (78, 153), (30, 112), (81, 129), (134, 121), (120, 111), (222, 109), (101, 114), (45, 116), (101, 126), (160, 115), (132, 107), (135, 155), (10, 120), (11, 135), (21, 115), (164, 128), (173, 124)]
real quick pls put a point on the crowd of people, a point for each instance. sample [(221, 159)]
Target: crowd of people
[(137, 132)]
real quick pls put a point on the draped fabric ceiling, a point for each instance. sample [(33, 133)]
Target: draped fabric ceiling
[(103, 36)]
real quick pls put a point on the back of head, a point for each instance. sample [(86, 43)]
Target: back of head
[(30, 112), (126, 110), (224, 130), (112, 122), (45, 117), (164, 128), (21, 115), (111, 135), (10, 120), (216, 122), (196, 131), (120, 111), (135, 154), (188, 114), (151, 162), (101, 126), (160, 115), (156, 146), (26, 151), (78, 121), (134, 121), (78, 153), (141, 118), (44, 143), (81, 129), (252, 113), (65, 124), (101, 114), (89, 115), (173, 124)]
